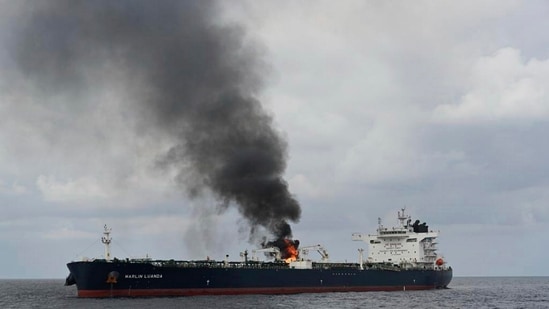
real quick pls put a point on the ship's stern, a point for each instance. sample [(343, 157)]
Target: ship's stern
[(444, 278)]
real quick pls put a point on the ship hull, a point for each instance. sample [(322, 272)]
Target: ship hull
[(131, 279)]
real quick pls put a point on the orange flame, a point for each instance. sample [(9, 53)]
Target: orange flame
[(290, 251)]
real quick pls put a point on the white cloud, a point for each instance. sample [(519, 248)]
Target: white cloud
[(80, 189), (305, 187), (13, 189), (503, 87)]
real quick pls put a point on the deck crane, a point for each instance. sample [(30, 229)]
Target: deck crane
[(304, 251)]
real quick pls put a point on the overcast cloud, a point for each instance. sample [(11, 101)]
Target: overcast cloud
[(441, 107)]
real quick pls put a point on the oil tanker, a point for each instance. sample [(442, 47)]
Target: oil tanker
[(403, 257)]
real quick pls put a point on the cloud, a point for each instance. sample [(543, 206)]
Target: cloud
[(79, 189), (304, 187), (68, 233), (13, 189), (503, 88)]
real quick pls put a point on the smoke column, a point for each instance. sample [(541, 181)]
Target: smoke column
[(201, 82)]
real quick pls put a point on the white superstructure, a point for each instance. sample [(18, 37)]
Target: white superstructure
[(407, 245)]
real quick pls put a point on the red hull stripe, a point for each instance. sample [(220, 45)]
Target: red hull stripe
[(235, 291)]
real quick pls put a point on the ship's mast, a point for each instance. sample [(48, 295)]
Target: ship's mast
[(106, 240), (379, 225), (402, 217)]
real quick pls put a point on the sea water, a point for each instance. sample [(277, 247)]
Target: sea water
[(463, 292)]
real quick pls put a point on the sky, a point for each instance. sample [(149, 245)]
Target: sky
[(439, 107)]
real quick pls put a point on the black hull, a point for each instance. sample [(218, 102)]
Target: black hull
[(131, 279)]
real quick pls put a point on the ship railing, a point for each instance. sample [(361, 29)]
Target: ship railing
[(248, 265), (218, 264), (429, 246), (421, 265), (426, 264)]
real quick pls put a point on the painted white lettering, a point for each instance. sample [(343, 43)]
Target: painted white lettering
[(143, 276)]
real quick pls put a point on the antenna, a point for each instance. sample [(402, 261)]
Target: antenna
[(106, 240)]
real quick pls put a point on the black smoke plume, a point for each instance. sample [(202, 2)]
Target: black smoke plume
[(200, 82)]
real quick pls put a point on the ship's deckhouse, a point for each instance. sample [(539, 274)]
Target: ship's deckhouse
[(407, 245)]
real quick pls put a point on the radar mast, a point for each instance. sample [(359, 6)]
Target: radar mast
[(106, 240)]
